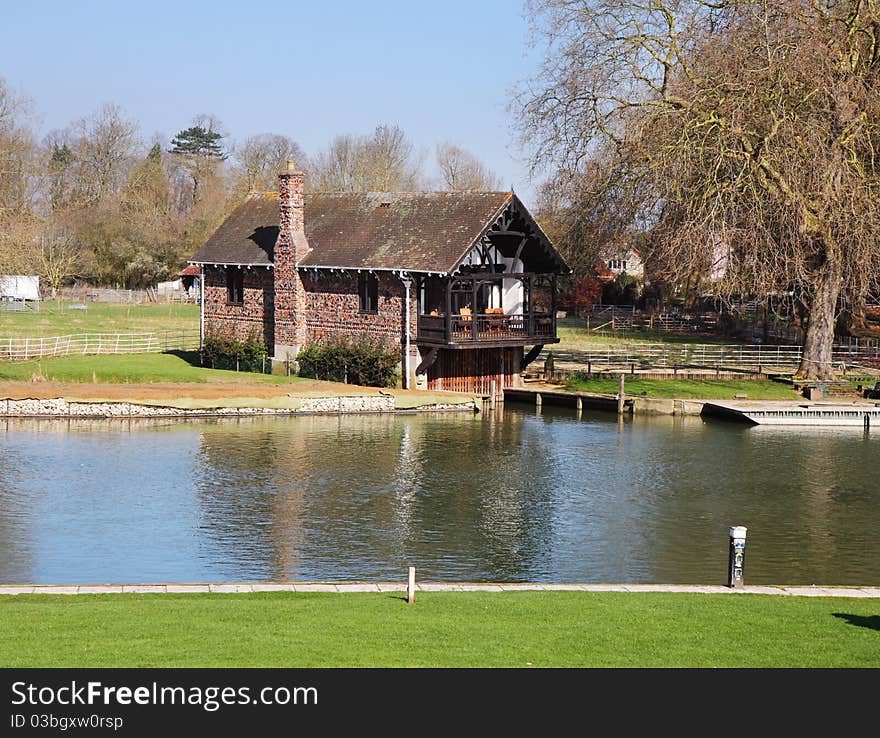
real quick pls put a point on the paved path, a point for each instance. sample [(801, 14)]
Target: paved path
[(800, 591)]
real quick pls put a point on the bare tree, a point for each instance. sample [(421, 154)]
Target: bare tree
[(18, 154), (741, 133), (103, 145), (386, 161), (461, 171), (260, 158), (55, 257)]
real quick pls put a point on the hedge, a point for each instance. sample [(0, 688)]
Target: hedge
[(361, 360), (222, 352)]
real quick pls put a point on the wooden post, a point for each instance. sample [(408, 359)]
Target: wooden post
[(579, 403), (589, 370), (530, 325), (449, 310), (492, 389), (620, 394), (411, 586), (538, 399), (474, 312)]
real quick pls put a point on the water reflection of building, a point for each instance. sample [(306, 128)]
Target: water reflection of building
[(350, 497)]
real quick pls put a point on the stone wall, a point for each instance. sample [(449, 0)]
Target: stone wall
[(61, 408), (332, 305), (254, 316)]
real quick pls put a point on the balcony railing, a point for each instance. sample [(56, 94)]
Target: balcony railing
[(491, 328)]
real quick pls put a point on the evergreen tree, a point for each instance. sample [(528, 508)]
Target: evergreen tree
[(199, 149), (154, 156), (199, 142)]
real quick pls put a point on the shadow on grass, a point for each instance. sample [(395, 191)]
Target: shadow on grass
[(872, 622), (193, 358)]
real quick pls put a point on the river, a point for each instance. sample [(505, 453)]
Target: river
[(509, 495)]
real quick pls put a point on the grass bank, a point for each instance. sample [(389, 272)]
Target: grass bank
[(179, 366), (448, 629), (57, 318), (575, 338), (707, 389)]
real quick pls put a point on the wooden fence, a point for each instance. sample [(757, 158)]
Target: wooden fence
[(98, 343), (709, 355)]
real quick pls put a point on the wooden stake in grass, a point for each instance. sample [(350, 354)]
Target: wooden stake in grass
[(411, 586)]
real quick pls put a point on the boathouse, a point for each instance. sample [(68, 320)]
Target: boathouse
[(463, 283)]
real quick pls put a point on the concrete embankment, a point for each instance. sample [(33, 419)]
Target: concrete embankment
[(248, 587), (230, 407)]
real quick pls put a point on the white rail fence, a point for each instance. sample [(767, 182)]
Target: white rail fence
[(98, 343), (710, 355)]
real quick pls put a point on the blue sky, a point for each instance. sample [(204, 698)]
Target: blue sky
[(310, 70)]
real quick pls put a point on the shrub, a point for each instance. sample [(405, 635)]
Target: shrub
[(223, 352), (362, 360)]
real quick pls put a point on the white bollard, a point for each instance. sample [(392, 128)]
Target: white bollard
[(411, 586)]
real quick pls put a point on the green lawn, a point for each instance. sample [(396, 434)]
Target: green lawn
[(460, 629), (689, 389), (575, 339), (180, 366), (56, 318)]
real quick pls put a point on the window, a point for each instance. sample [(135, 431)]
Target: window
[(234, 285), (368, 291), (617, 264)]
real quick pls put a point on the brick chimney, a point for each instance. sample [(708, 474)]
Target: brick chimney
[(292, 235), (290, 248)]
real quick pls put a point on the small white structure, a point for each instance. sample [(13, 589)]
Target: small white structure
[(19, 287), (628, 261), (170, 290)]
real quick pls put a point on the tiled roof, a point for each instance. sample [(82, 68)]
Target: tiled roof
[(421, 231)]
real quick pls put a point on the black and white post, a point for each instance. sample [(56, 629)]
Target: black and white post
[(737, 556)]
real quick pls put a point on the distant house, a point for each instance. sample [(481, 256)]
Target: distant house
[(460, 282), (625, 260)]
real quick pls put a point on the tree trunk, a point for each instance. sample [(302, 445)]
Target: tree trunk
[(819, 339)]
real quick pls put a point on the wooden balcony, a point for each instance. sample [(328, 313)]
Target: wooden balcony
[(486, 330)]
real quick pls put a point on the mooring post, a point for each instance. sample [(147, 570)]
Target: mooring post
[(736, 556), (620, 395), (579, 403), (538, 399), (411, 586), (493, 388)]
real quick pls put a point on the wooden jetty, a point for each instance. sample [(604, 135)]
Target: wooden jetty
[(579, 400)]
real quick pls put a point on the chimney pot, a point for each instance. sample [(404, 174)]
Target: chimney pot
[(289, 168)]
